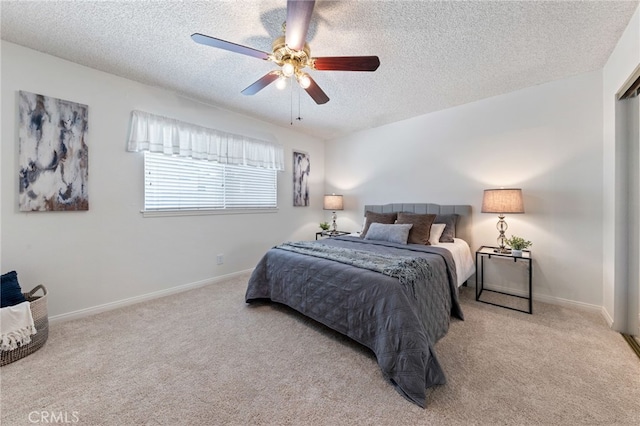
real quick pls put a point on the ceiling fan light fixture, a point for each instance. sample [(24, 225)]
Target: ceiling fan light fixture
[(303, 80), (288, 69), (281, 83)]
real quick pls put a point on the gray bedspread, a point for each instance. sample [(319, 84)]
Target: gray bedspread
[(399, 324)]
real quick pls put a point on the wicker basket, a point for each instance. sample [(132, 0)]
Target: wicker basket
[(38, 305)]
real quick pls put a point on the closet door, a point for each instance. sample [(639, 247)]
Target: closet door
[(632, 113)]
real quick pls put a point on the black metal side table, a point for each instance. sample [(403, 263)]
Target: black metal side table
[(487, 252), (331, 233)]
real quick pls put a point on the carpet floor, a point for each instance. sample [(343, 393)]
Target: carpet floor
[(204, 357)]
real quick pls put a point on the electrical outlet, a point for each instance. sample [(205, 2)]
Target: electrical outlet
[(220, 259)]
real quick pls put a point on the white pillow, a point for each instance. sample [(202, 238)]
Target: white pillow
[(396, 233), (436, 232)]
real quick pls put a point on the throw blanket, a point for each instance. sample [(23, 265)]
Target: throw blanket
[(407, 270), (16, 326)]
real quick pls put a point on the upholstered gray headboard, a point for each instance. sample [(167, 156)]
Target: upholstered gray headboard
[(463, 227)]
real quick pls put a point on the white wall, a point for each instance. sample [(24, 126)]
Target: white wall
[(111, 253), (624, 59), (545, 139)]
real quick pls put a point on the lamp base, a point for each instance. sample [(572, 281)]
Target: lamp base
[(502, 226)]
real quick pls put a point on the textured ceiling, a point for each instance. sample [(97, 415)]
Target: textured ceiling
[(434, 55)]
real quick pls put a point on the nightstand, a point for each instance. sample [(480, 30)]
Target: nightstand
[(331, 233), (489, 252)]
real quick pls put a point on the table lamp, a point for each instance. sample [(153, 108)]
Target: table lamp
[(502, 201), (333, 202)]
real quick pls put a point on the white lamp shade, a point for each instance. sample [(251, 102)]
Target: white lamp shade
[(333, 202), (502, 201)]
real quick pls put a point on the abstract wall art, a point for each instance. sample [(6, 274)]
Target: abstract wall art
[(53, 154), (301, 169)]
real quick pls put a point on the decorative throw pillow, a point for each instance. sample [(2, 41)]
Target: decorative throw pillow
[(421, 230), (450, 221), (10, 291), (387, 232), (371, 217), (436, 232)]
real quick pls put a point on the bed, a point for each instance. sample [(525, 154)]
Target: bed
[(396, 299)]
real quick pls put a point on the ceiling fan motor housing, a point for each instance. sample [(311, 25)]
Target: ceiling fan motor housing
[(283, 54)]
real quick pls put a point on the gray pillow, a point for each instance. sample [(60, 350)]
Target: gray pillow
[(450, 221), (391, 233)]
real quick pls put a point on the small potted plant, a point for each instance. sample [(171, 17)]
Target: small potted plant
[(324, 226), (517, 244)]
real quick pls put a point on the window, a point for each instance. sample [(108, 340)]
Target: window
[(181, 183), (190, 168)]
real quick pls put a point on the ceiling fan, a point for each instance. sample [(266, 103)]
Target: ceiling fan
[(292, 54)]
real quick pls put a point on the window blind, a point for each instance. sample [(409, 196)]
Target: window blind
[(180, 183)]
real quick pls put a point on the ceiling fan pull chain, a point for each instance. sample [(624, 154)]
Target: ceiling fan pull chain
[(299, 118)]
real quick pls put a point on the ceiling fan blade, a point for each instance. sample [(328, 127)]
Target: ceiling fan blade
[(227, 45), (263, 82), (298, 17), (347, 63), (316, 92)]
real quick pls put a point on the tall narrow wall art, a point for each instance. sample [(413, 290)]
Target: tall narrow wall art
[(301, 169), (54, 158)]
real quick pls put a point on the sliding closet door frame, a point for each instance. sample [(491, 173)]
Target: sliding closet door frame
[(633, 291), (627, 209)]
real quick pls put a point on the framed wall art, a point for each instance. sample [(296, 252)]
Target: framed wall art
[(53, 153), (301, 169)]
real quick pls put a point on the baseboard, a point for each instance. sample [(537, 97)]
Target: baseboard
[(81, 313), (607, 317), (548, 299)]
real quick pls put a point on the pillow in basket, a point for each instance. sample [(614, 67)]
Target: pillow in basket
[(10, 291)]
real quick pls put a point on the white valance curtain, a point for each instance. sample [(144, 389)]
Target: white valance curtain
[(155, 133)]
